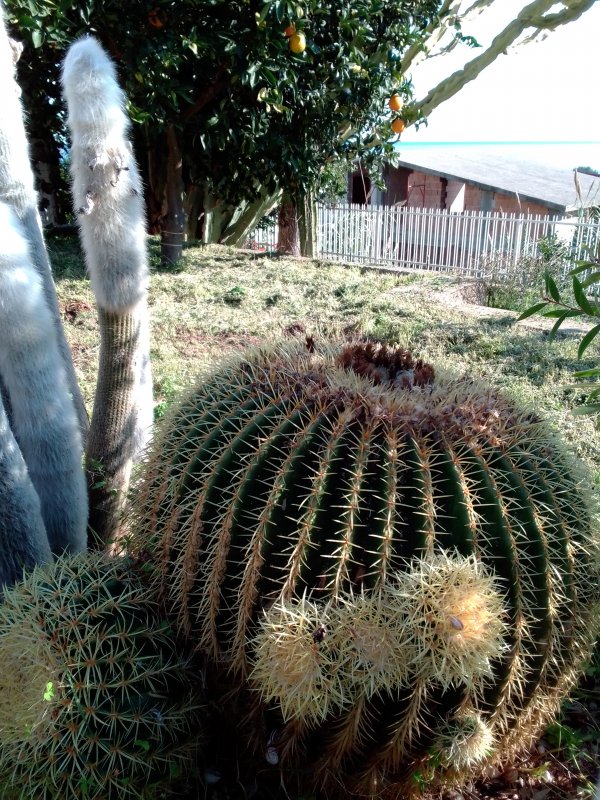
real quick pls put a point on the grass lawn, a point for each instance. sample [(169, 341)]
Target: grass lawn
[(220, 300)]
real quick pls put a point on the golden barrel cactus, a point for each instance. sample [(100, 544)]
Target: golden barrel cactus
[(95, 700), (393, 566)]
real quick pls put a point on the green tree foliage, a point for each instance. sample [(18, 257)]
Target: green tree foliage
[(230, 116), (249, 115)]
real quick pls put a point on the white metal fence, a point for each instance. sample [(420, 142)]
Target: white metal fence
[(265, 237), (469, 243), (465, 243)]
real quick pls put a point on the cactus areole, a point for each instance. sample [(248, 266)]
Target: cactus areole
[(394, 564)]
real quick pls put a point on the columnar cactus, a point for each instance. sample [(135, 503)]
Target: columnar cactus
[(22, 530), (42, 418), (42, 487), (395, 565), (95, 702), (107, 198), (17, 189)]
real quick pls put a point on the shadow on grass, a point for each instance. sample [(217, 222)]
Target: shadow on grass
[(66, 258), (68, 263)]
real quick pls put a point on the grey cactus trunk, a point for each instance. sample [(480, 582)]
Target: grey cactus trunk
[(23, 540), (17, 189), (113, 436), (42, 416)]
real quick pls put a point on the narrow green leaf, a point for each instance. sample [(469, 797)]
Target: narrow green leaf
[(587, 339), (594, 277), (593, 395), (556, 326), (586, 410), (263, 14), (581, 299), (561, 312), (532, 310), (587, 373), (581, 267), (269, 76), (551, 287)]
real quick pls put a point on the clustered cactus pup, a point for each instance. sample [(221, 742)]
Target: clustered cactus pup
[(396, 565), (95, 700)]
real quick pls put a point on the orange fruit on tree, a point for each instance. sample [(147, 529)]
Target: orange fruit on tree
[(398, 125), (290, 30), (156, 18), (298, 43), (395, 102)]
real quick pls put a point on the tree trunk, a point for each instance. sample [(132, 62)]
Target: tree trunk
[(48, 181), (193, 209), (307, 224), (289, 234), (153, 169), (172, 235), (243, 223), (216, 218)]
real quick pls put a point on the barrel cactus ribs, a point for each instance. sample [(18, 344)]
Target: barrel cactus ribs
[(95, 701), (394, 565)]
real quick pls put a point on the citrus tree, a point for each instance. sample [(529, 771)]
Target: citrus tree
[(243, 102), (239, 100)]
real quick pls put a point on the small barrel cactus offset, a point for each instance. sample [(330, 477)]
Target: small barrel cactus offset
[(394, 564), (94, 700)]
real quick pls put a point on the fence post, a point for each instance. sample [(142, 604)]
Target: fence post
[(517, 243)]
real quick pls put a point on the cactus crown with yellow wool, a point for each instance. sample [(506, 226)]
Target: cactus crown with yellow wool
[(378, 552)]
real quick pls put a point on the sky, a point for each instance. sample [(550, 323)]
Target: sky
[(540, 101)]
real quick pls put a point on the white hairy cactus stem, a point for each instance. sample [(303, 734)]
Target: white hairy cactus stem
[(23, 540), (107, 188), (43, 419), (17, 190), (107, 197)]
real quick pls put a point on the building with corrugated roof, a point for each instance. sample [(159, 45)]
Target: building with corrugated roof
[(461, 181)]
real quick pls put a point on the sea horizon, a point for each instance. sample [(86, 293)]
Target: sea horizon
[(558, 153)]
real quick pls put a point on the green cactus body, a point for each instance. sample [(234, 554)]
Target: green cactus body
[(94, 701), (375, 553)]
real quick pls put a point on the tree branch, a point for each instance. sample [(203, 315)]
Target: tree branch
[(448, 15), (574, 9), (532, 16), (207, 94)]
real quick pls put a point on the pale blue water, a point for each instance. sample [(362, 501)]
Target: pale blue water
[(560, 154)]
